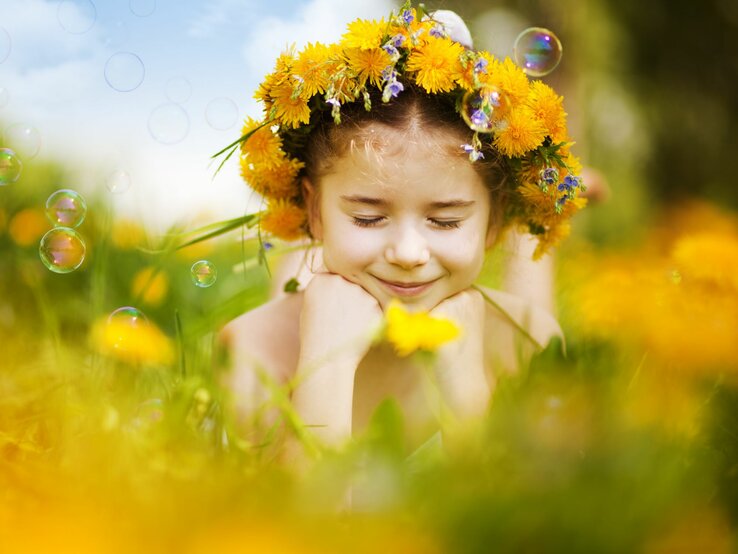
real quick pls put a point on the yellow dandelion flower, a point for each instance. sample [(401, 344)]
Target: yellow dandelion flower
[(409, 332), (282, 68), (277, 180), (364, 34), (553, 236), (151, 285), (548, 108), (27, 226), (135, 342), (290, 109), (368, 64), (263, 146), (522, 133), (284, 220), (312, 69), (436, 64), (510, 79)]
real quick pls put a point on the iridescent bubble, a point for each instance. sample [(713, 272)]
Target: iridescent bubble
[(142, 8), (537, 51), (178, 90), (149, 413), (76, 17), (118, 181), (4, 97), (480, 109), (221, 113), (128, 315), (6, 45), (23, 139), (203, 274), (10, 166), (62, 250), (124, 71), (169, 123), (66, 208)]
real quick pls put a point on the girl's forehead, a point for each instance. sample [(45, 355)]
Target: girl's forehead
[(415, 169)]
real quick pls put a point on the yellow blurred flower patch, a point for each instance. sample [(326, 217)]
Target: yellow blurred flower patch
[(27, 226), (140, 342), (150, 285)]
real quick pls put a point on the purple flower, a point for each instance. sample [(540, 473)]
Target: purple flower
[(333, 102), (474, 154), (267, 245), (395, 88), (397, 40), (480, 66), (550, 176), (479, 118), (572, 182), (437, 31), (391, 50), (407, 17)]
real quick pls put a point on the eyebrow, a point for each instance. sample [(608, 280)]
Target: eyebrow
[(371, 201)]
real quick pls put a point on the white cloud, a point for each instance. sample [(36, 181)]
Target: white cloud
[(317, 20), (214, 14)]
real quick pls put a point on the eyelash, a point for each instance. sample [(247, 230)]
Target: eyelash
[(371, 222)]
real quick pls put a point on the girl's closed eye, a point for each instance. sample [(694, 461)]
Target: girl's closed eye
[(446, 223), (367, 221)]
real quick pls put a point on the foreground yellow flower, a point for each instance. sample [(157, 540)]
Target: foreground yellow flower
[(409, 332)]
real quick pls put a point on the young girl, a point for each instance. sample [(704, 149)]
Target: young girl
[(404, 154)]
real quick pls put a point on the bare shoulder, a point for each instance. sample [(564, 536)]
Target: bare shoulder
[(267, 337), (535, 321)]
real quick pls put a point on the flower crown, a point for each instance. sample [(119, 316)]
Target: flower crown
[(523, 120)]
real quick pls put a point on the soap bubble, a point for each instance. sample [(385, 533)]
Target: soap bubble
[(10, 167), (62, 250), (203, 274), (76, 17), (124, 71), (221, 113), (66, 208), (479, 109), (128, 315), (4, 97), (118, 181), (6, 45), (537, 51), (178, 90), (23, 139), (149, 413), (169, 123), (142, 8)]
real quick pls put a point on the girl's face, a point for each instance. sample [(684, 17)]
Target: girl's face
[(412, 224)]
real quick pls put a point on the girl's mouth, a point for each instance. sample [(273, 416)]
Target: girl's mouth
[(406, 289)]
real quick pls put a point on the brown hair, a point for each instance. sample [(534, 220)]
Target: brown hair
[(414, 111)]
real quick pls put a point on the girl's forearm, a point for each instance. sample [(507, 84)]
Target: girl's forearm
[(323, 398)]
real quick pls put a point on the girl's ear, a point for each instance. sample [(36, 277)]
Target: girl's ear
[(312, 204)]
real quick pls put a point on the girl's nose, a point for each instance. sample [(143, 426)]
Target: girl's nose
[(407, 248)]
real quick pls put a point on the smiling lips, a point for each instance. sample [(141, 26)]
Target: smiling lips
[(406, 289)]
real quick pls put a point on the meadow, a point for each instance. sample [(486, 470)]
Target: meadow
[(119, 434)]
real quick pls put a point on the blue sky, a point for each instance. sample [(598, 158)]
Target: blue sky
[(53, 72)]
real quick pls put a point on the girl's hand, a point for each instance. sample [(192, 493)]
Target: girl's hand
[(338, 320), (460, 363)]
